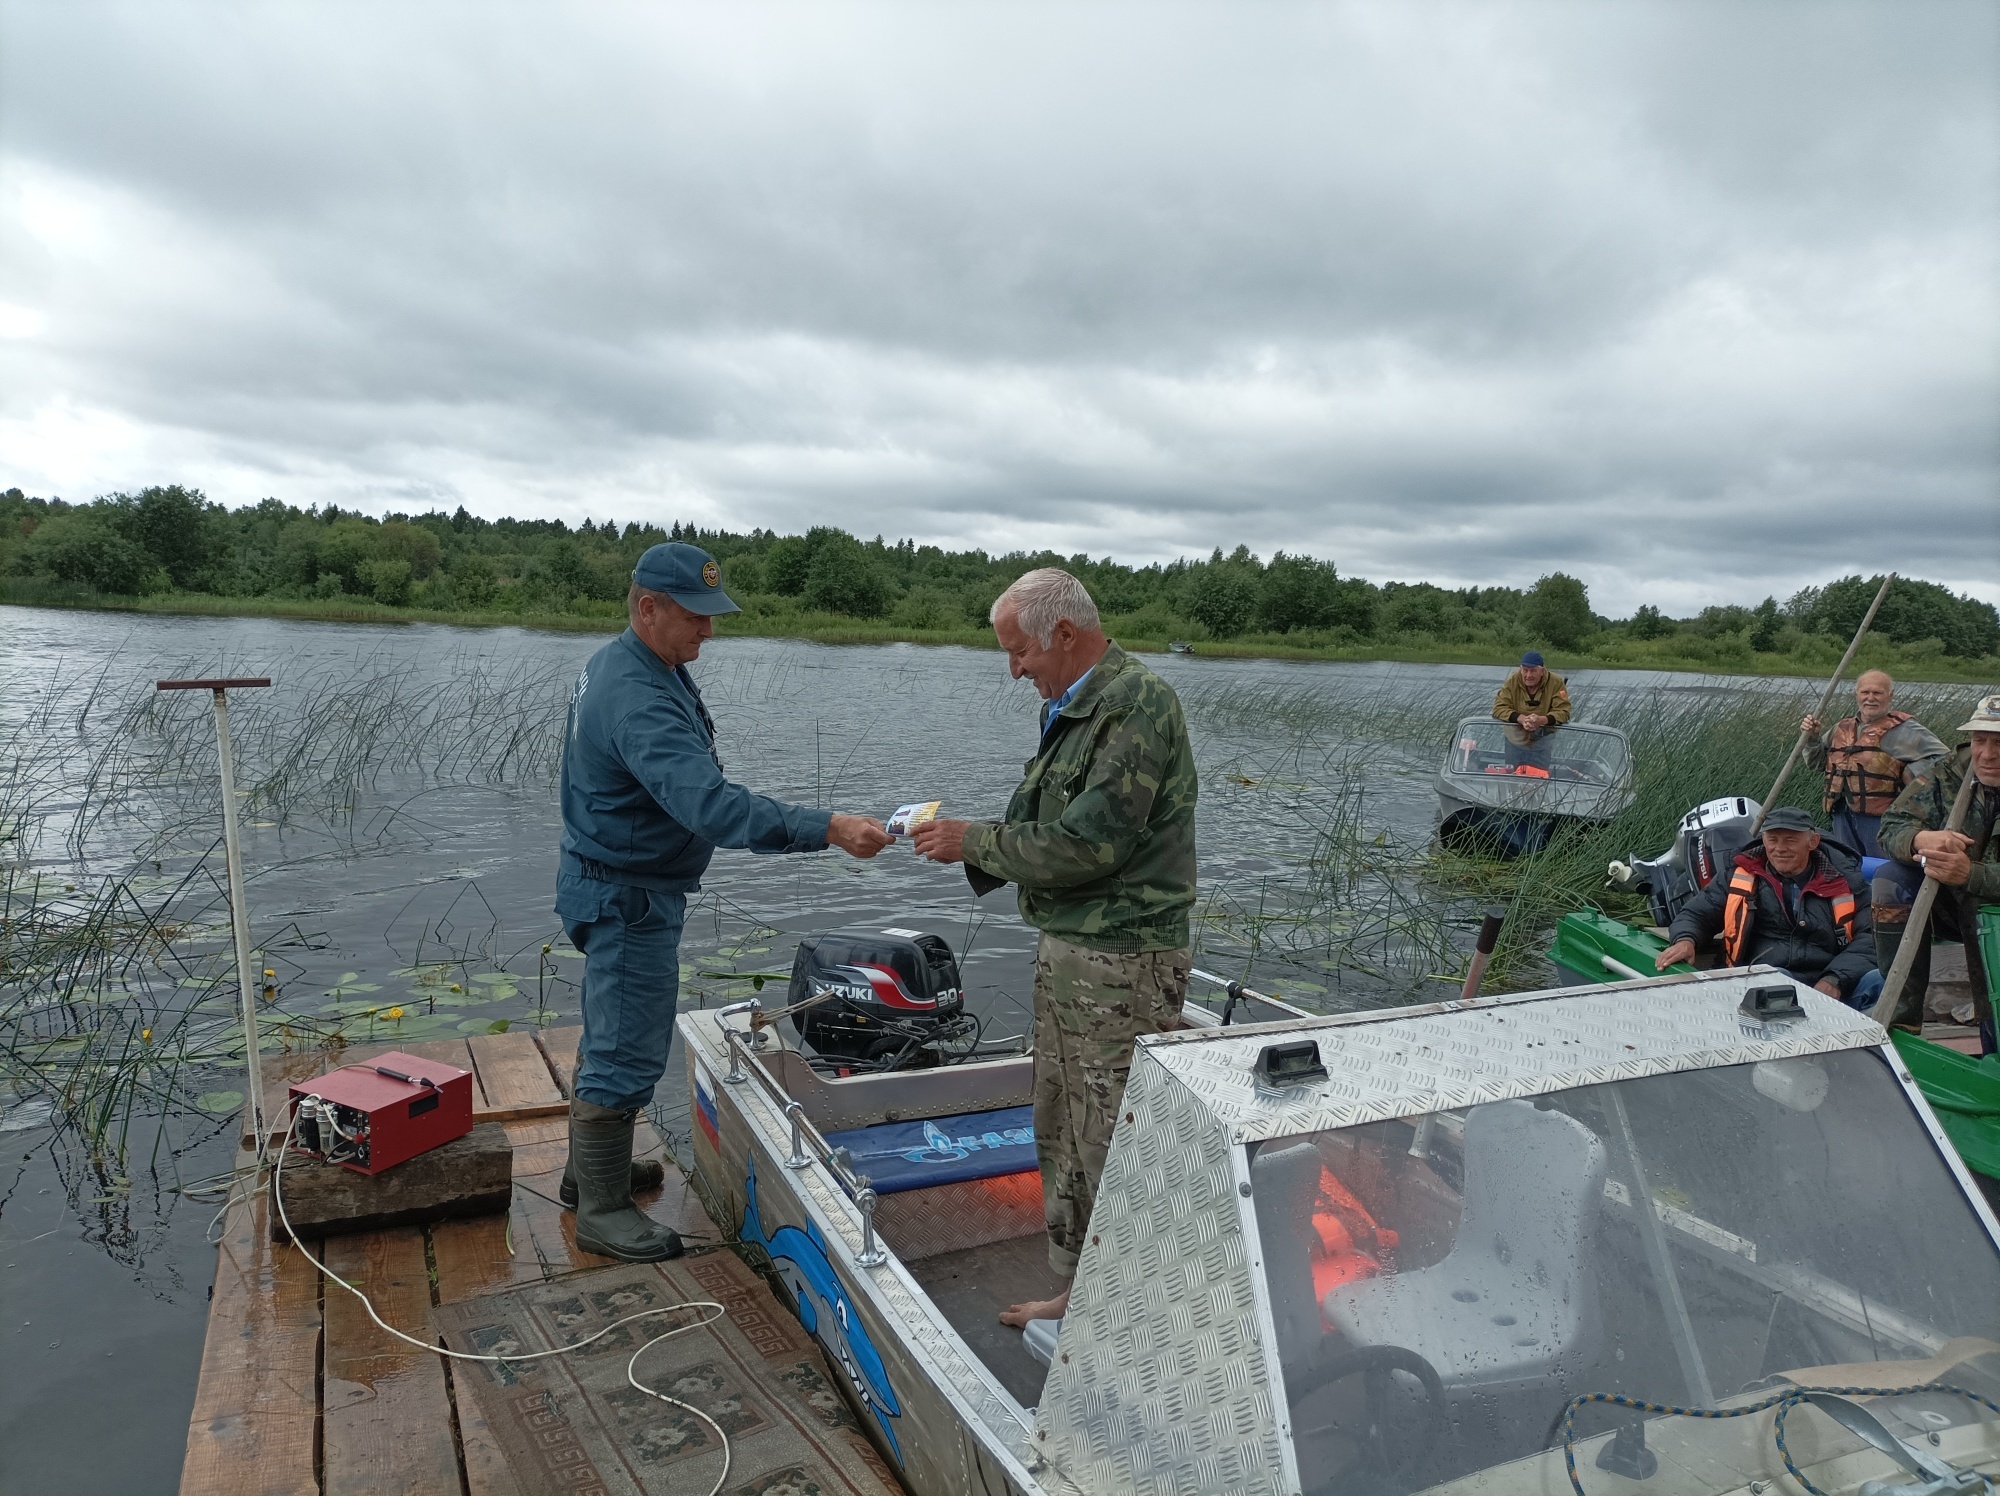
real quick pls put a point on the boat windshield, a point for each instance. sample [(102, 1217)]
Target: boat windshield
[(1574, 755), (1441, 1286)]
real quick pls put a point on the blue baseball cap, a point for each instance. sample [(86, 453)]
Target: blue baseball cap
[(1532, 657), (687, 574)]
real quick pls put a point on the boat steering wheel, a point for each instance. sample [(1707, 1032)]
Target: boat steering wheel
[(1375, 1363)]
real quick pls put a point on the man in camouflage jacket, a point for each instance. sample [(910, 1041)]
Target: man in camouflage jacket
[(1099, 839), (1965, 863)]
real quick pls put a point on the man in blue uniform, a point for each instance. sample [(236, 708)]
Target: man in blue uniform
[(645, 804)]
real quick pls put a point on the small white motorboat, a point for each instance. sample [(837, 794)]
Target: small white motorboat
[(1493, 1245)]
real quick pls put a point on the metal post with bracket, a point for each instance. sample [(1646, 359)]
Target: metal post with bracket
[(239, 912)]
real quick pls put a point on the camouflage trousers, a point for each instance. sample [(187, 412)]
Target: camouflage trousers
[(1089, 1008)]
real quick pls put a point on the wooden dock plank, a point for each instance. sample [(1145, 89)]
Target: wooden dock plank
[(516, 1078), (472, 1258), (388, 1414), (256, 1407)]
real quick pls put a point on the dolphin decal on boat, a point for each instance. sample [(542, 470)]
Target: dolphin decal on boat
[(826, 1311)]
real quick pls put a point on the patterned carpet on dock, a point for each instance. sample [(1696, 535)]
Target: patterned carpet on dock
[(574, 1424)]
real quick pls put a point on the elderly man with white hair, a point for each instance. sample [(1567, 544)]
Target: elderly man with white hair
[(1100, 840)]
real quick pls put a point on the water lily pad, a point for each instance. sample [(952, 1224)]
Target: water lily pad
[(219, 1103)]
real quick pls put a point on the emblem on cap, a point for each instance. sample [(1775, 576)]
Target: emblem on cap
[(711, 574)]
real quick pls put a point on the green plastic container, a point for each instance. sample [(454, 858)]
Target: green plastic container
[(1965, 1094), (1586, 939)]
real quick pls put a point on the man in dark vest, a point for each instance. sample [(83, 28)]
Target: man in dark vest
[(1797, 902)]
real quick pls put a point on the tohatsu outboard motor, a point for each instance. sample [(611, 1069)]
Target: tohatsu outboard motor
[(880, 999), (1704, 847)]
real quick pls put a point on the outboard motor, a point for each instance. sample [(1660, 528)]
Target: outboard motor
[(887, 999), (1704, 848)]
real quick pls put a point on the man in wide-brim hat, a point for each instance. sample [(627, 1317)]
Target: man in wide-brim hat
[(1965, 864)]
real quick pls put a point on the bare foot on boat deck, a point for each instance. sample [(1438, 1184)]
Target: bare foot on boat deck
[(1016, 1316)]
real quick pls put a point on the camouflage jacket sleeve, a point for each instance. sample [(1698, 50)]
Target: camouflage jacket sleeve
[(1917, 808), (1103, 822), (1816, 749), (1925, 805)]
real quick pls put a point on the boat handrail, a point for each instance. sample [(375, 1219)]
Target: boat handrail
[(809, 1145)]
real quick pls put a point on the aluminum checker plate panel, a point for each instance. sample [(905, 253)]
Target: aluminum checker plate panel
[(1162, 1382), (1458, 1054)]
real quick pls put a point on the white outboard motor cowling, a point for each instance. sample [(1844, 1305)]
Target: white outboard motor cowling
[(1704, 846)]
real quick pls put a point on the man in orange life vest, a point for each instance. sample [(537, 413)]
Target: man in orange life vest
[(1868, 759), (1798, 903)]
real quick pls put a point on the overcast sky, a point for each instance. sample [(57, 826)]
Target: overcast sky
[(1695, 302)]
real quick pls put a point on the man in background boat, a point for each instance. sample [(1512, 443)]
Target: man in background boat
[(1100, 839), (1868, 759), (1533, 702), (1964, 863), (1796, 902), (645, 804)]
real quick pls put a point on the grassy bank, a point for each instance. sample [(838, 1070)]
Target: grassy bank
[(1729, 655)]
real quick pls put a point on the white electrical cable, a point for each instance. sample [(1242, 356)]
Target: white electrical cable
[(278, 1194)]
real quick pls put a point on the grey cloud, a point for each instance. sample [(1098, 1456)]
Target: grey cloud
[(1686, 298)]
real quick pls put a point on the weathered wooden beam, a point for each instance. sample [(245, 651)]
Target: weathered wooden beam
[(469, 1176), (256, 1407), (388, 1413)]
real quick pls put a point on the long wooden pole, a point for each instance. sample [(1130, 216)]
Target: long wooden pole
[(1918, 931), (1825, 701)]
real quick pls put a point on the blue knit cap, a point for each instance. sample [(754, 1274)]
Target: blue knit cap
[(1532, 657)]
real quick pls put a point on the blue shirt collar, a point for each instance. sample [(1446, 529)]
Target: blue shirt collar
[(1054, 708)]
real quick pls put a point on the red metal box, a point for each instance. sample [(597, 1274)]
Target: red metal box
[(373, 1116)]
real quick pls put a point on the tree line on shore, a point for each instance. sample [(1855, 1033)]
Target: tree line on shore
[(171, 539)]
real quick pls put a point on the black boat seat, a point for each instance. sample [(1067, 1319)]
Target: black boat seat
[(1515, 1300)]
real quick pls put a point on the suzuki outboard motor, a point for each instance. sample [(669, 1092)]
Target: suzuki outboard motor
[(887, 999), (1704, 847)]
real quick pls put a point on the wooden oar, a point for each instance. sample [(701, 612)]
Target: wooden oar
[(1917, 930), (1825, 701)]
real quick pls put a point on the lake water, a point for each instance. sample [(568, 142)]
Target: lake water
[(414, 840)]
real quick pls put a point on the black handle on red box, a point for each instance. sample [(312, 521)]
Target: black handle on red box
[(413, 1080)]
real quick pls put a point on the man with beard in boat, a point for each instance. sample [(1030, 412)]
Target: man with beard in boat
[(1100, 839), (1964, 863), (1533, 702), (1868, 759), (645, 804), (1797, 902)]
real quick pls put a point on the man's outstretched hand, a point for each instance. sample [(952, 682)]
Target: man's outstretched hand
[(941, 841), (858, 836), (1680, 950)]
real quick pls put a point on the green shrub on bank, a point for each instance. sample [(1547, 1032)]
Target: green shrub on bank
[(169, 549)]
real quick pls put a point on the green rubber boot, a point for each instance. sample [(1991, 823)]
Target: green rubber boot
[(600, 1157), (647, 1174)]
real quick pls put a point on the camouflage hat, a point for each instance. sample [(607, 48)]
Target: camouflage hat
[(1789, 818), (1985, 716)]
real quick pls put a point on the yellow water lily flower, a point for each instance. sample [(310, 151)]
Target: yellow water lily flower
[(145, 1036), (396, 1013)]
